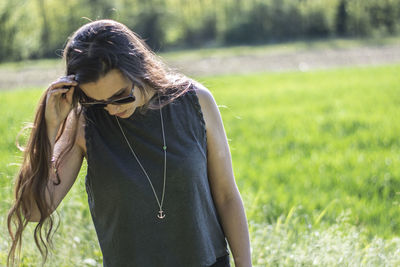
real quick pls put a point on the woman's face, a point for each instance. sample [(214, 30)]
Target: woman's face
[(114, 85)]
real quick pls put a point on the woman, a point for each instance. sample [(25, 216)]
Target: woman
[(160, 185)]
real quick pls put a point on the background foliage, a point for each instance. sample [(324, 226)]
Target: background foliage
[(39, 28)]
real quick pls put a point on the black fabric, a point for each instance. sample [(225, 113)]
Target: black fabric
[(222, 262), (122, 203)]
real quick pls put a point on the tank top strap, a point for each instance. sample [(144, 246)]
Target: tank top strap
[(192, 97)]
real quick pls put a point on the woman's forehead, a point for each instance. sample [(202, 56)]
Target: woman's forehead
[(106, 86)]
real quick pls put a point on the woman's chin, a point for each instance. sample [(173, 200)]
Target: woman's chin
[(127, 113)]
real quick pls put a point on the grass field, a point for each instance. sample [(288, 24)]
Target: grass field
[(316, 158)]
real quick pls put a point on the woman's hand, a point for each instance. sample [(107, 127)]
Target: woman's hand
[(59, 101)]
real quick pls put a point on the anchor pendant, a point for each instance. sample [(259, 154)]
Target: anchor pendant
[(161, 214)]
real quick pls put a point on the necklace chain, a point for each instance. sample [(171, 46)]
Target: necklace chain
[(161, 214)]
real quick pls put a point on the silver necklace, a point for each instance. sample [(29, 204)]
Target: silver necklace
[(161, 214)]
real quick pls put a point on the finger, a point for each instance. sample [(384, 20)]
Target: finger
[(56, 92), (65, 78), (70, 94), (59, 91), (62, 82)]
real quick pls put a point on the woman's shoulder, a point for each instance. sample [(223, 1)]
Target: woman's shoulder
[(206, 102), (203, 93)]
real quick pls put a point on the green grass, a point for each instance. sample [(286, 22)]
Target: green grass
[(317, 139), (315, 155)]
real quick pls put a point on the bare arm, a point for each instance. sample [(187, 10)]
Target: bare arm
[(225, 192), (58, 107), (67, 171)]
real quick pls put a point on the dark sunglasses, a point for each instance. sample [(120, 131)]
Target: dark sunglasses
[(87, 102)]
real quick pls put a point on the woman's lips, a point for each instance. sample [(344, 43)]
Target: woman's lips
[(120, 114)]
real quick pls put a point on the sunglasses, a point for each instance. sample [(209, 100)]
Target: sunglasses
[(87, 102)]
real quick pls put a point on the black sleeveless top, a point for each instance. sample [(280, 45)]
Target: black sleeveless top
[(122, 204)]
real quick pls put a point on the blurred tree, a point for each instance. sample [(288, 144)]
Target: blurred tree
[(251, 27), (149, 22), (267, 21), (31, 29), (101, 8), (359, 21), (341, 18), (316, 24), (7, 31), (45, 30), (201, 33), (284, 19), (383, 15)]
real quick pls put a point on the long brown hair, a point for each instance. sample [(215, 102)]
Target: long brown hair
[(91, 52)]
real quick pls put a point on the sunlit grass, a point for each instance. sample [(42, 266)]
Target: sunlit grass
[(339, 244), (318, 139), (315, 156)]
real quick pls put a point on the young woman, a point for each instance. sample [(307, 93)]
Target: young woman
[(160, 184)]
